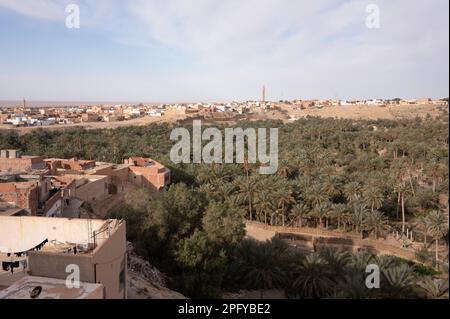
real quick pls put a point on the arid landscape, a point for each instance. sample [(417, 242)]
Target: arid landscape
[(365, 112), (283, 112)]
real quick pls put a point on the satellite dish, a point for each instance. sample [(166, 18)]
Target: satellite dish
[(35, 292)]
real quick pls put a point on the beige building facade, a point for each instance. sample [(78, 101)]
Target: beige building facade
[(96, 247)]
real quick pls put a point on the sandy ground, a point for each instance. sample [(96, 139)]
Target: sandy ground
[(365, 112)]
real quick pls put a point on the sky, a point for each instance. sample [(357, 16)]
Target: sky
[(223, 50)]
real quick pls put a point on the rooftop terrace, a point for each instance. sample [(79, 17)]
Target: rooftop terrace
[(50, 288), (61, 234)]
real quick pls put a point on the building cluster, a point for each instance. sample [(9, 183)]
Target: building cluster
[(37, 251), (44, 116), (304, 104), (54, 187)]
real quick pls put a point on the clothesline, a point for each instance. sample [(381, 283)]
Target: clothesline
[(10, 265), (35, 248)]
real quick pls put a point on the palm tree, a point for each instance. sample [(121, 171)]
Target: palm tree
[(352, 191), (332, 187), (352, 286), (339, 211), (375, 222), (225, 190), (399, 282), (435, 171), (284, 197), (360, 260), (247, 189), (321, 212), (207, 189), (373, 197), (434, 288), (298, 212), (358, 216), (315, 195), (402, 189), (261, 263), (285, 168), (264, 204), (337, 259), (385, 262), (305, 163), (313, 278), (423, 226), (437, 227)]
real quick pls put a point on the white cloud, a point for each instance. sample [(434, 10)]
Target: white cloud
[(43, 9), (314, 48)]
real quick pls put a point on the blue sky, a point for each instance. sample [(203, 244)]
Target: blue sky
[(210, 50)]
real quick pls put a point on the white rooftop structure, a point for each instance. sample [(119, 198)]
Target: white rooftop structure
[(50, 288)]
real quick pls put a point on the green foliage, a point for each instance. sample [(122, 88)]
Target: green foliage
[(224, 223), (338, 174)]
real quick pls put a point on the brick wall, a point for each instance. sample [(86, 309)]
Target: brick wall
[(24, 195), (21, 164)]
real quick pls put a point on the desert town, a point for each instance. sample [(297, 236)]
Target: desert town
[(111, 115), (80, 193)]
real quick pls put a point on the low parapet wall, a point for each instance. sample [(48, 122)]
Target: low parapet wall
[(320, 236)]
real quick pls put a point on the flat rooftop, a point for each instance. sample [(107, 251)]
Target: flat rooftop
[(22, 233), (51, 289), (10, 210)]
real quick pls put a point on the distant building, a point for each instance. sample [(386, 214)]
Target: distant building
[(113, 117), (374, 102), (70, 164), (89, 117), (22, 195), (424, 100), (156, 112), (13, 160), (147, 173)]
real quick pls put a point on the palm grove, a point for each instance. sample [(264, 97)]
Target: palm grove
[(371, 178)]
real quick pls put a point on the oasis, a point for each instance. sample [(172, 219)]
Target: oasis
[(235, 140)]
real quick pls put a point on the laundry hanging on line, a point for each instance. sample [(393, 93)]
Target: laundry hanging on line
[(10, 265), (25, 253), (35, 248)]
